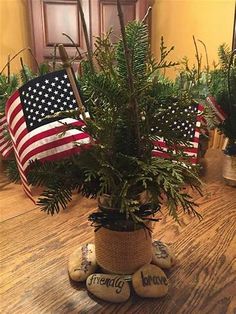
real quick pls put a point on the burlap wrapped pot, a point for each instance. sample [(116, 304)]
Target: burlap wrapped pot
[(229, 170), (123, 252)]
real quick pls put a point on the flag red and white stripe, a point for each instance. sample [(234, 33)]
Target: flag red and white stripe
[(161, 148), (6, 147), (220, 114), (44, 142), (36, 138)]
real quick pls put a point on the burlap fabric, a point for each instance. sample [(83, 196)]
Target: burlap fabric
[(122, 252), (229, 170)]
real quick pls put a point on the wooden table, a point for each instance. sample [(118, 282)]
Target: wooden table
[(35, 249)]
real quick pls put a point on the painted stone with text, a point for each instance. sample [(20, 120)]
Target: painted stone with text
[(111, 288), (150, 282), (82, 262), (162, 255)]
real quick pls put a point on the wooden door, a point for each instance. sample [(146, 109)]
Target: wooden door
[(50, 18)]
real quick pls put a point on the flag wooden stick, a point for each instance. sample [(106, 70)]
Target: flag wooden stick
[(67, 65)]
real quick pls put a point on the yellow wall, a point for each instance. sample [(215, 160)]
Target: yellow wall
[(14, 31), (178, 20)]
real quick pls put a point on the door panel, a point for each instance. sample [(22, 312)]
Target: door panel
[(104, 15), (109, 18), (62, 18), (49, 19)]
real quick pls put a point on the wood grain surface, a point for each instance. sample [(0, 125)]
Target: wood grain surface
[(35, 249)]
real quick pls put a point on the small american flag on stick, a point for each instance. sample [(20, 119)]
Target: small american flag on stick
[(37, 137), (219, 112), (189, 130), (6, 147)]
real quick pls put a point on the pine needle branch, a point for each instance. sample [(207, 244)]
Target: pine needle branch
[(55, 198), (133, 100)]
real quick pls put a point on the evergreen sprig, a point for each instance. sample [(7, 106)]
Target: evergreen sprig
[(56, 196), (7, 86), (12, 171), (124, 180), (164, 53)]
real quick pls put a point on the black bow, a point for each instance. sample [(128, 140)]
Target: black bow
[(115, 218)]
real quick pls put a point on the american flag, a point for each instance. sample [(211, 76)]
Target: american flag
[(189, 131), (37, 137), (6, 147), (219, 112)]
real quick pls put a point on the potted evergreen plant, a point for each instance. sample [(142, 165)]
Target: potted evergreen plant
[(130, 107), (223, 88)]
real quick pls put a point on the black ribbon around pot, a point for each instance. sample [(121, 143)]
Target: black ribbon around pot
[(111, 218)]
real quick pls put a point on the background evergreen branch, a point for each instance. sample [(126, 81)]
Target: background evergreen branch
[(164, 52), (12, 171)]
